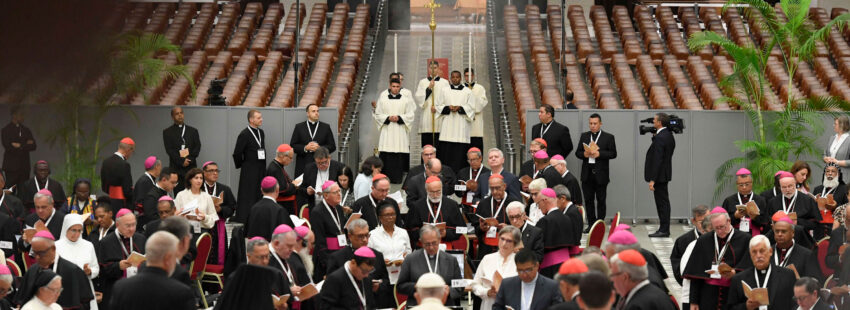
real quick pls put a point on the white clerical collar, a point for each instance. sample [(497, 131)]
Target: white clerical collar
[(269, 198), (660, 129), (120, 155)]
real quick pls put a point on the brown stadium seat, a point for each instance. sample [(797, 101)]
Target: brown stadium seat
[(180, 24), (286, 41), (179, 93), (138, 17), (628, 36), (581, 35), (220, 68), (241, 77), (222, 30), (624, 77), (196, 38)]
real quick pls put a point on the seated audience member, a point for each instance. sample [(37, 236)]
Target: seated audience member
[(792, 200), (529, 289), (44, 213), (496, 162), (533, 210), (390, 240), (806, 293), (105, 225), (42, 292), (417, 183), (492, 208), (431, 292), (629, 274), (358, 237), (7, 282), (597, 292), (344, 180), (435, 209), (135, 293), (225, 206), (778, 281), (368, 204), (428, 259), (428, 152), (77, 290), (829, 195), (471, 176), (196, 204), (41, 180), (499, 264), (77, 250), (165, 208), (350, 287)]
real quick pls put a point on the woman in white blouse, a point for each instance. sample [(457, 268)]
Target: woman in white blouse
[(193, 196), (390, 240), (363, 183), (77, 250), (501, 261), (838, 149)]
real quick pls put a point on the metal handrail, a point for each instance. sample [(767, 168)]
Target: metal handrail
[(497, 92)]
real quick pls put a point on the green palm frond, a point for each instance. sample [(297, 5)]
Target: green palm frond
[(839, 23)]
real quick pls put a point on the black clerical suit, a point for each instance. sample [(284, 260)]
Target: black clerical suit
[(149, 205), (311, 172), (326, 227), (339, 292), (228, 206), (659, 168), (557, 138), (384, 296), (420, 213), (703, 294), (762, 221), (487, 208), (449, 175), (367, 205), (527, 168), (780, 288), (141, 188), (647, 297), (53, 223), (110, 251), (555, 237), (115, 172), (802, 258), (76, 290), (306, 132), (770, 193), (95, 236), (569, 180), (252, 169), (532, 238), (265, 216), (836, 240), (595, 176), (656, 271), (178, 137), (679, 248), (27, 190), (414, 266), (9, 227), (13, 207), (466, 174), (839, 193), (135, 293), (16, 160), (286, 191), (416, 186), (546, 293), (572, 213), (800, 237), (806, 208)]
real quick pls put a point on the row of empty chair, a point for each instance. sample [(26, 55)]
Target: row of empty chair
[(608, 46), (200, 30), (346, 76), (573, 82), (287, 92), (286, 40), (268, 30), (520, 80), (320, 78), (223, 29), (245, 28), (547, 81)]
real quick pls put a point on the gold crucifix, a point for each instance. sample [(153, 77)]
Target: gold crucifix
[(433, 6), (433, 25)]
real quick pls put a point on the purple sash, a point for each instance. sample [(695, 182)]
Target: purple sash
[(222, 238), (555, 257)]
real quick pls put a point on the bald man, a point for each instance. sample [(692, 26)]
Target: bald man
[(115, 176), (182, 144)]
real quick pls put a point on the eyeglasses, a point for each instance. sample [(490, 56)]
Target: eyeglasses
[(213, 171), (613, 275), (798, 298), (360, 236), (431, 244), (745, 184), (526, 271), (515, 217)]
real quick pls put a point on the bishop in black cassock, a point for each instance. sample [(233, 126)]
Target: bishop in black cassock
[(384, 293), (182, 144), (434, 208), (115, 248), (566, 178), (475, 172), (145, 182), (779, 281), (786, 252), (367, 206), (115, 177), (804, 205), (164, 184), (328, 221), (52, 218), (76, 290), (745, 194), (276, 169), (494, 206), (308, 136), (350, 287), (266, 214), (249, 156), (26, 190), (555, 240)]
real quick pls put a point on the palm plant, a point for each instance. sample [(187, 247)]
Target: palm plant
[(786, 135)]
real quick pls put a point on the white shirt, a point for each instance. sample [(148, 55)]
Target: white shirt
[(836, 144), (394, 247), (534, 214), (362, 186), (483, 280), (36, 304), (205, 205), (527, 293)]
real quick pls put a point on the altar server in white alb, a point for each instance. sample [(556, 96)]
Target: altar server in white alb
[(431, 85), (394, 115), (476, 134), (456, 114)]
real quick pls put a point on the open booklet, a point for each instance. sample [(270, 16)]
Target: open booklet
[(298, 180), (279, 300), (757, 294), (309, 291), (136, 258), (189, 207)]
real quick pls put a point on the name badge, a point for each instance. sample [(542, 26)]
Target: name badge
[(261, 154), (591, 160), (196, 226), (132, 271), (341, 240), (7, 245), (460, 188), (491, 233), (461, 230), (716, 273), (762, 307), (745, 224), (459, 283), (470, 196)]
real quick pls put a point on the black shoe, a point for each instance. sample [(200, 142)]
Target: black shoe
[(659, 234)]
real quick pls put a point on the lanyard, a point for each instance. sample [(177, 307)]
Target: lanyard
[(286, 270), (766, 277), (436, 261), (598, 134), (255, 136), (823, 192), (476, 175), (183, 133), (434, 214), (126, 253), (150, 177), (719, 256), (360, 295), (103, 232), (207, 188), (784, 259), (497, 210), (345, 196), (567, 208), (741, 201), (37, 188), (543, 132), (313, 132), (790, 205), (333, 216), (50, 218)]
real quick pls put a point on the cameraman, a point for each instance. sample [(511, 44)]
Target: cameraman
[(658, 170)]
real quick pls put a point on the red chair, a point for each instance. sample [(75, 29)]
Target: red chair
[(304, 213), (597, 234), (400, 299), (28, 261), (822, 247), (16, 271), (461, 244), (196, 268), (614, 222)]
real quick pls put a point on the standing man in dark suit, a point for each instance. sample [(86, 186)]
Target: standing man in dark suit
[(41, 180), (249, 155), (528, 290), (557, 136), (532, 237), (115, 177), (153, 167), (594, 168), (309, 136), (321, 170), (658, 170), (182, 144), (18, 142)]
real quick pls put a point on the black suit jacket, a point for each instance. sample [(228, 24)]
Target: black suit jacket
[(448, 176), (762, 221), (557, 138), (836, 239), (569, 180), (679, 247), (546, 293), (115, 171), (780, 289), (265, 216), (480, 192), (384, 295), (310, 173), (301, 137), (607, 152), (659, 158), (149, 203), (26, 191), (172, 139), (577, 223), (141, 188), (339, 293), (419, 214), (650, 297), (804, 261), (414, 266), (367, 210), (532, 238), (17, 159), (136, 293), (527, 168), (806, 207), (416, 187)]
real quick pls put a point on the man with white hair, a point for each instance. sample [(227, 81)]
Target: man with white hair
[(720, 252), (328, 220), (433, 168), (630, 277), (831, 194), (277, 169), (803, 207), (281, 250), (431, 292), (161, 259), (532, 237), (428, 259), (435, 209), (534, 188), (778, 281), (113, 251), (496, 162), (6, 281), (567, 179), (44, 213)]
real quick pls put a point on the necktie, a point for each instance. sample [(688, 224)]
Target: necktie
[(621, 303)]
